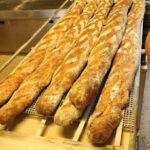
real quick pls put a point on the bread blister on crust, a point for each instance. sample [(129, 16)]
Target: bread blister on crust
[(105, 118)]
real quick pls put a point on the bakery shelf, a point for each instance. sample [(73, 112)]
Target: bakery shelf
[(32, 131)]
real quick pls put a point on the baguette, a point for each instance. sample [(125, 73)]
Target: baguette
[(87, 85), (40, 78), (12, 82), (114, 97), (74, 62)]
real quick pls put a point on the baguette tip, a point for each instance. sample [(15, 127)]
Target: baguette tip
[(67, 114)]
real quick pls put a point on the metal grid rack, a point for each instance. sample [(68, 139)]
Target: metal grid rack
[(129, 119)]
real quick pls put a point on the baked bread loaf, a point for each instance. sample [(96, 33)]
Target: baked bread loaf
[(31, 87), (87, 85), (114, 97), (74, 62), (12, 82)]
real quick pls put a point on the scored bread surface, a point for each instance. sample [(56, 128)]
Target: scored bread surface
[(114, 97), (31, 87), (87, 85), (74, 62), (12, 82)]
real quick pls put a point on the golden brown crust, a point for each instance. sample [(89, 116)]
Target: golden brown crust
[(67, 114), (74, 62), (115, 93), (100, 129), (12, 82), (40, 78), (87, 85)]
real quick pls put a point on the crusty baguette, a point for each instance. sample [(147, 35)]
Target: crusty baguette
[(87, 85), (12, 82), (40, 78), (74, 62), (114, 97)]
